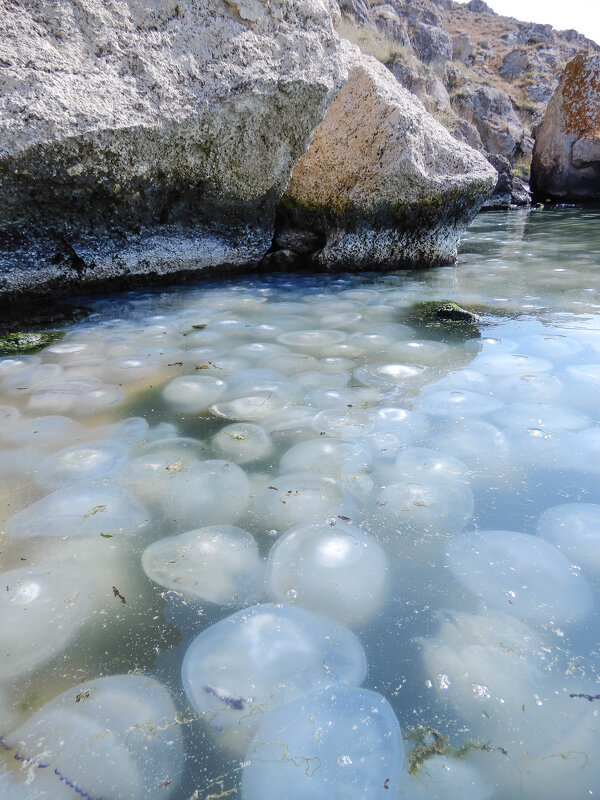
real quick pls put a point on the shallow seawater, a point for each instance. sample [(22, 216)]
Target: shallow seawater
[(276, 538)]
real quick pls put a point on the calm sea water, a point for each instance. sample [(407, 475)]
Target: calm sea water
[(227, 506)]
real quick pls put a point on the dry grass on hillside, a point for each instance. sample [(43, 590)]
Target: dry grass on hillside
[(374, 43)]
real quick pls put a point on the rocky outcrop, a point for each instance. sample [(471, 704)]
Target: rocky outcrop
[(566, 158), (382, 184), (491, 112), (147, 138), (510, 191)]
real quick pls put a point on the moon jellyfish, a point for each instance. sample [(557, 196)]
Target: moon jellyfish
[(456, 403), (42, 610), (421, 464), (257, 406), (408, 377), (242, 442), (81, 396), (574, 528), (193, 393), (48, 432), (339, 744), (114, 738), (333, 568), (218, 564), (521, 575), (132, 430), (238, 672), (90, 461), (8, 416), (480, 445), (28, 379), (327, 457), (130, 368), (315, 342), (299, 498), (81, 510)]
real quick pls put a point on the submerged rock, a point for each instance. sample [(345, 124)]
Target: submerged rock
[(566, 158), (382, 184), (143, 140), (27, 342)]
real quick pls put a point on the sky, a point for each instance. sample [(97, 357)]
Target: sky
[(583, 15)]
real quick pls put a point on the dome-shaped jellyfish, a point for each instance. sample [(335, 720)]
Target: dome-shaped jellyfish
[(574, 528), (8, 416), (90, 461), (114, 738), (218, 564), (256, 406), (424, 465), (28, 379), (335, 569), (82, 396), (479, 444), (340, 744), (242, 442), (238, 672), (330, 457), (47, 433), (456, 403), (81, 510), (42, 610), (315, 342), (193, 393), (304, 497), (521, 575)]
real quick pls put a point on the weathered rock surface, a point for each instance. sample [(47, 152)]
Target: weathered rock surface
[(510, 191), (491, 112), (144, 137), (382, 184), (566, 157)]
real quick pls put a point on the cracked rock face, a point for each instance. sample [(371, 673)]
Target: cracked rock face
[(382, 184), (147, 137), (566, 158)]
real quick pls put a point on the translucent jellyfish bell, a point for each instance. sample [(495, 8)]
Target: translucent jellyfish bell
[(217, 564), (80, 396), (193, 393), (42, 610), (114, 738), (242, 442), (298, 498), (238, 672), (327, 457), (81, 510), (8, 416), (574, 528), (47, 433), (332, 568), (339, 744), (90, 461), (520, 575)]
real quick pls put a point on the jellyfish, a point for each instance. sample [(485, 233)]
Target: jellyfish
[(314, 342), (331, 457), (91, 461), (330, 567), (47, 433), (193, 393), (243, 442), (303, 497), (574, 528), (217, 564), (81, 510), (521, 575), (338, 744), (240, 670), (82, 396), (112, 738), (43, 608), (448, 778)]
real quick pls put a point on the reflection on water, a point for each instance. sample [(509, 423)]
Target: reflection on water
[(280, 538)]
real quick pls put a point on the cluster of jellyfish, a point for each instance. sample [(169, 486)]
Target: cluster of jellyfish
[(290, 484)]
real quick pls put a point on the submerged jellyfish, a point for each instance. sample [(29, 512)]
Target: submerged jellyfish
[(327, 457), (42, 610), (219, 564), (574, 528), (333, 568), (239, 671), (81, 510), (90, 461), (447, 778), (193, 393), (243, 442), (81, 396), (339, 744), (114, 738), (520, 575), (303, 497)]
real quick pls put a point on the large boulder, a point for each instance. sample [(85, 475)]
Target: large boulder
[(143, 137), (566, 156), (491, 111), (382, 184), (510, 191)]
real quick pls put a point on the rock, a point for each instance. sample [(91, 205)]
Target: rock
[(357, 9), (479, 7), (540, 92), (514, 64), (29, 342), (566, 156), (431, 44), (467, 133), (510, 191), (490, 110), (389, 23), (425, 84), (140, 139), (382, 181), (462, 48), (537, 33)]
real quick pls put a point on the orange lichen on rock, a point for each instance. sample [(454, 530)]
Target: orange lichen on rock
[(580, 87)]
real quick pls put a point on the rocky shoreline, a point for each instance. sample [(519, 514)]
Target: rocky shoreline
[(145, 144)]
